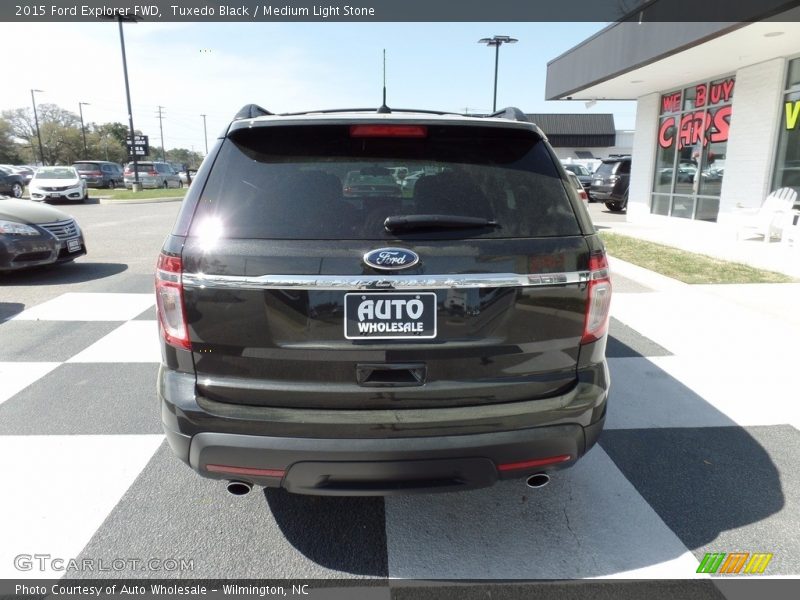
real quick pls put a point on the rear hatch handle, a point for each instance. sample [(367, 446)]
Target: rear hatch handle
[(391, 375)]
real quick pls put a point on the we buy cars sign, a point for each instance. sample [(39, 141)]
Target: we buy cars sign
[(138, 146)]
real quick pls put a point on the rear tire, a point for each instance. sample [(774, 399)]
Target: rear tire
[(16, 190), (613, 206), (112, 184)]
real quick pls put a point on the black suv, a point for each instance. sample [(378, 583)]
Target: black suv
[(340, 344), (610, 182)]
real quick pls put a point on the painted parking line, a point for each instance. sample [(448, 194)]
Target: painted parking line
[(588, 522), (74, 306), (61, 489), (16, 376)]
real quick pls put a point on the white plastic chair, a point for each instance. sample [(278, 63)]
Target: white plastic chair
[(769, 219)]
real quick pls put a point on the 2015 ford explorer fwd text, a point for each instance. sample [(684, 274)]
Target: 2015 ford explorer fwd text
[(437, 339)]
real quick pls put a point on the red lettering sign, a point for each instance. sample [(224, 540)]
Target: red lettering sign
[(722, 123), (666, 133), (700, 95), (722, 91), (671, 102), (697, 127)]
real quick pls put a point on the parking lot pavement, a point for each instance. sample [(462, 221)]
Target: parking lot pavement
[(699, 455)]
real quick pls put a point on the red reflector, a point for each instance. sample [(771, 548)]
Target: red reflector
[(538, 462), (407, 131), (245, 471)]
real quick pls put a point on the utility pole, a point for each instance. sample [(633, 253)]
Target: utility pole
[(83, 129), (136, 184), (36, 118), (205, 132), (161, 127)]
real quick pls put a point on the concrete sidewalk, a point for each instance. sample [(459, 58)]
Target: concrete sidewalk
[(733, 345), (712, 239)]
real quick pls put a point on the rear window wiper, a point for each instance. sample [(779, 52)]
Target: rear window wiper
[(409, 222)]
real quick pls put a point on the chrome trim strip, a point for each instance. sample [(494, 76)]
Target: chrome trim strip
[(382, 282)]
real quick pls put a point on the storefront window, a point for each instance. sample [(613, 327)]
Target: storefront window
[(692, 143), (787, 160)]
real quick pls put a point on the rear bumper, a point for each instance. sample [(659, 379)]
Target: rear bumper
[(384, 466), (381, 452)]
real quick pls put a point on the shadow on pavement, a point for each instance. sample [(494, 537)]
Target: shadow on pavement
[(341, 533), (701, 481), (76, 272), (9, 309)]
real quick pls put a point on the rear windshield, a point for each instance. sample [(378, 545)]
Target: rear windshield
[(86, 166), (606, 168), (304, 182)]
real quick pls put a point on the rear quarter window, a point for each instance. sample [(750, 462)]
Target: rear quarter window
[(316, 182)]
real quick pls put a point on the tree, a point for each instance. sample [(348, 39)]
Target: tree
[(59, 129), (10, 151)]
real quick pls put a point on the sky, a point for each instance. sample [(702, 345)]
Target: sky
[(215, 68)]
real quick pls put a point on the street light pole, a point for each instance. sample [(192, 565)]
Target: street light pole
[(83, 129), (205, 132), (497, 41), (36, 119), (136, 184)]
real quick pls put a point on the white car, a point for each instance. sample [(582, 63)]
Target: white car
[(58, 183)]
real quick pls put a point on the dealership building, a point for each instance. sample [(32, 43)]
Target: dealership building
[(718, 110)]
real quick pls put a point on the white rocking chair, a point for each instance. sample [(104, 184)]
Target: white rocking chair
[(769, 219)]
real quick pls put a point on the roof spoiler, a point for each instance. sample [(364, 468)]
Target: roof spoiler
[(251, 111)]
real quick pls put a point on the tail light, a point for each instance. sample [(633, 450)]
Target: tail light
[(95, 173), (388, 131), (169, 300), (599, 302), (128, 172), (153, 172), (584, 196)]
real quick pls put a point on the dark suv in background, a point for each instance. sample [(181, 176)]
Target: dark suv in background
[(100, 173), (610, 182), (364, 344)]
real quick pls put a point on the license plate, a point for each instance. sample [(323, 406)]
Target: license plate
[(54, 195), (390, 316), (597, 182), (73, 245)]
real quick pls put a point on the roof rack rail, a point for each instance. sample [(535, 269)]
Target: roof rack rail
[(371, 109), (512, 113), (250, 111)]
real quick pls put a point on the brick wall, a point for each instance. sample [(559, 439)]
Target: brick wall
[(643, 157), (751, 143)]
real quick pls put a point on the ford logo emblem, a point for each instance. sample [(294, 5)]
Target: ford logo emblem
[(391, 259)]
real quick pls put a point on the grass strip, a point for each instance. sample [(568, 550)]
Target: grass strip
[(685, 266)]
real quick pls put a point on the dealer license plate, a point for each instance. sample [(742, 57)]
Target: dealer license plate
[(73, 245), (390, 316)]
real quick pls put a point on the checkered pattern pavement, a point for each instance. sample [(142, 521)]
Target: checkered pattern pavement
[(699, 455)]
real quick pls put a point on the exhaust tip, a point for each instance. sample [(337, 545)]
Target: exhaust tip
[(239, 488), (539, 480)]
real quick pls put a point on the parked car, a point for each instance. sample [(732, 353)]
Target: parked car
[(23, 171), (584, 176), (371, 181), (100, 173), (33, 234), (306, 338), (11, 183), (576, 183), (58, 184), (610, 182), (153, 174)]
